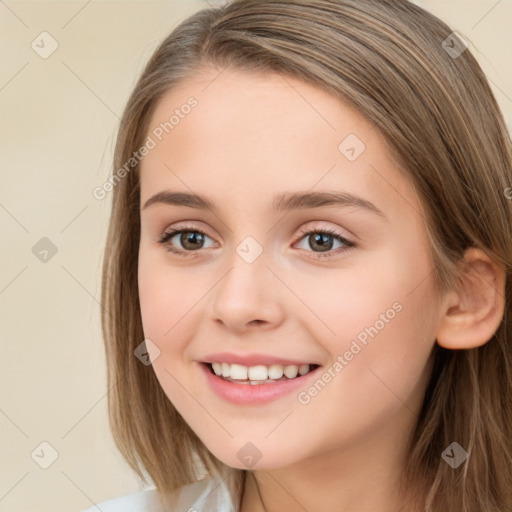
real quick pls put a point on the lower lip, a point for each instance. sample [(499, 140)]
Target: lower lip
[(250, 393)]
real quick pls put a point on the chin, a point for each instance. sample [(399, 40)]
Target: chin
[(249, 455)]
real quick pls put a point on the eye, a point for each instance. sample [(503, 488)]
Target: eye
[(191, 239), (322, 239)]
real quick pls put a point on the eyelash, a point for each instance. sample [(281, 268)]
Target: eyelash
[(167, 235)]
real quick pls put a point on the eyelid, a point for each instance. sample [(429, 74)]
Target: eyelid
[(335, 231)]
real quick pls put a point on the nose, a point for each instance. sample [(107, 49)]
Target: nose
[(248, 296)]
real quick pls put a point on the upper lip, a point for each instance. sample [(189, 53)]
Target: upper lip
[(251, 359)]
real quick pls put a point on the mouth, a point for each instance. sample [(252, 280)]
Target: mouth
[(259, 374)]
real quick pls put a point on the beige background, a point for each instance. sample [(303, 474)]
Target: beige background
[(58, 120)]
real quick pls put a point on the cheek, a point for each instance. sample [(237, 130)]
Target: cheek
[(370, 290), (168, 315), (156, 302), (381, 316), (172, 300), (166, 300), (391, 365), (379, 368)]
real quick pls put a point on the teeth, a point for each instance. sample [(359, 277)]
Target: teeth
[(276, 371), (226, 370), (303, 369), (291, 371), (259, 373), (238, 372)]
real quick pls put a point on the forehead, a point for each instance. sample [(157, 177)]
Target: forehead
[(260, 111), (250, 134)]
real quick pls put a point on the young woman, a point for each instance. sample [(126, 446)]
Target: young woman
[(307, 277)]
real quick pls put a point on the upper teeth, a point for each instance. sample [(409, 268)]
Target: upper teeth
[(259, 372)]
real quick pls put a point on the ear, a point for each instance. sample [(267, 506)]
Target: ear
[(472, 313)]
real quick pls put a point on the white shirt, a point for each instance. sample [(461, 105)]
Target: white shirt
[(208, 495)]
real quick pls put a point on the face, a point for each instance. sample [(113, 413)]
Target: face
[(336, 288)]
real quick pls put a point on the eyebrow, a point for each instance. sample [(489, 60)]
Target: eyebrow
[(283, 202)]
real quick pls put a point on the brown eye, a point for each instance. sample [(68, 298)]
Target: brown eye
[(322, 241), (190, 239)]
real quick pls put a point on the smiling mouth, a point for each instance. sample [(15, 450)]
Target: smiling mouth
[(259, 374)]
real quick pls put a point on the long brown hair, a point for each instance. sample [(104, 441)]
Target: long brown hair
[(437, 114)]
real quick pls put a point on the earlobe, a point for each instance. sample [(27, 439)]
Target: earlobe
[(472, 313)]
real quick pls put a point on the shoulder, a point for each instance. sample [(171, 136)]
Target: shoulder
[(194, 496)]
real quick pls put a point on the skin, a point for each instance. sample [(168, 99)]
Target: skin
[(250, 137)]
